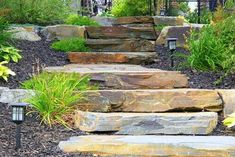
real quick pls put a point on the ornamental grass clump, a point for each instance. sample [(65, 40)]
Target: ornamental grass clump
[(56, 95)]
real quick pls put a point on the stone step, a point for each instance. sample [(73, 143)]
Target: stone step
[(133, 20), (124, 76), (121, 32), (149, 101), (195, 123), (120, 45), (151, 146), (111, 57)]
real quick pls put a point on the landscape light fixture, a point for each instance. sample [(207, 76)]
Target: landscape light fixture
[(171, 44), (18, 117), (162, 12)]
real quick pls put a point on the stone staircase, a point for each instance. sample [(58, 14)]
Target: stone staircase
[(139, 106)]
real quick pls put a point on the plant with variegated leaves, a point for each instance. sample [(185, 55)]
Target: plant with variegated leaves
[(8, 53), (5, 71), (230, 121)]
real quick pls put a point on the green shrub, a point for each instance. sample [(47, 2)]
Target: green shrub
[(36, 11), (213, 48), (70, 45), (129, 8), (75, 19), (8, 53), (205, 18), (56, 95), (4, 35), (230, 121), (5, 72)]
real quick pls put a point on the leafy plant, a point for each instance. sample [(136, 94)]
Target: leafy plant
[(205, 18), (160, 27), (56, 94), (230, 121), (8, 53), (36, 11), (5, 72), (4, 35), (75, 19), (70, 44), (129, 8), (229, 4)]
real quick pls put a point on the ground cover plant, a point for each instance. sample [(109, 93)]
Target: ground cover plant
[(74, 19), (35, 11), (56, 95), (230, 121), (71, 45)]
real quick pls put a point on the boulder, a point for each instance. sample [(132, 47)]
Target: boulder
[(121, 32), (151, 146), (152, 100), (146, 123), (168, 20), (111, 57), (134, 20), (180, 32), (28, 34), (228, 96), (63, 31), (120, 45), (124, 76)]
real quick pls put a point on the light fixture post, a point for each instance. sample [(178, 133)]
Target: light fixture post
[(171, 44)]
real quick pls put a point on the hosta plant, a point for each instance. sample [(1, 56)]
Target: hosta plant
[(5, 72), (8, 53), (230, 121)]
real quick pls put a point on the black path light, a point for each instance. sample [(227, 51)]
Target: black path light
[(171, 44), (18, 117), (162, 12)]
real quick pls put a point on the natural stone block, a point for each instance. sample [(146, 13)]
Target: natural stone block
[(117, 76), (147, 123), (168, 20), (121, 32), (228, 96), (120, 45), (152, 100), (104, 21), (64, 31), (21, 33), (179, 32), (151, 146), (111, 57), (134, 20)]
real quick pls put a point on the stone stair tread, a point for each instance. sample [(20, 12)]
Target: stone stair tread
[(126, 76), (149, 146), (111, 57), (152, 100), (196, 123)]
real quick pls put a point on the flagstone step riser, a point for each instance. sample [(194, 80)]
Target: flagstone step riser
[(147, 123), (149, 146)]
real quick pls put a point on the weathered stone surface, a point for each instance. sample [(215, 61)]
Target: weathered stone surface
[(152, 146), (168, 20), (14, 95), (228, 96), (152, 100), (21, 33), (120, 45), (147, 123), (104, 21), (133, 20), (63, 31), (117, 76), (121, 32), (179, 32), (111, 57)]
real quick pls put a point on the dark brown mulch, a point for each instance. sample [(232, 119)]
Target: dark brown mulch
[(33, 53), (38, 140), (197, 79)]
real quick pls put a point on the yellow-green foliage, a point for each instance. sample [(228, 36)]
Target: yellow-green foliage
[(5, 72), (230, 121), (75, 19)]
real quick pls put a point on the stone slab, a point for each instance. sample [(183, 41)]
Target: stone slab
[(124, 76), (21, 33), (168, 20), (200, 123), (179, 32), (151, 146), (120, 45), (63, 31), (152, 100), (111, 57), (228, 96), (133, 20), (121, 32)]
